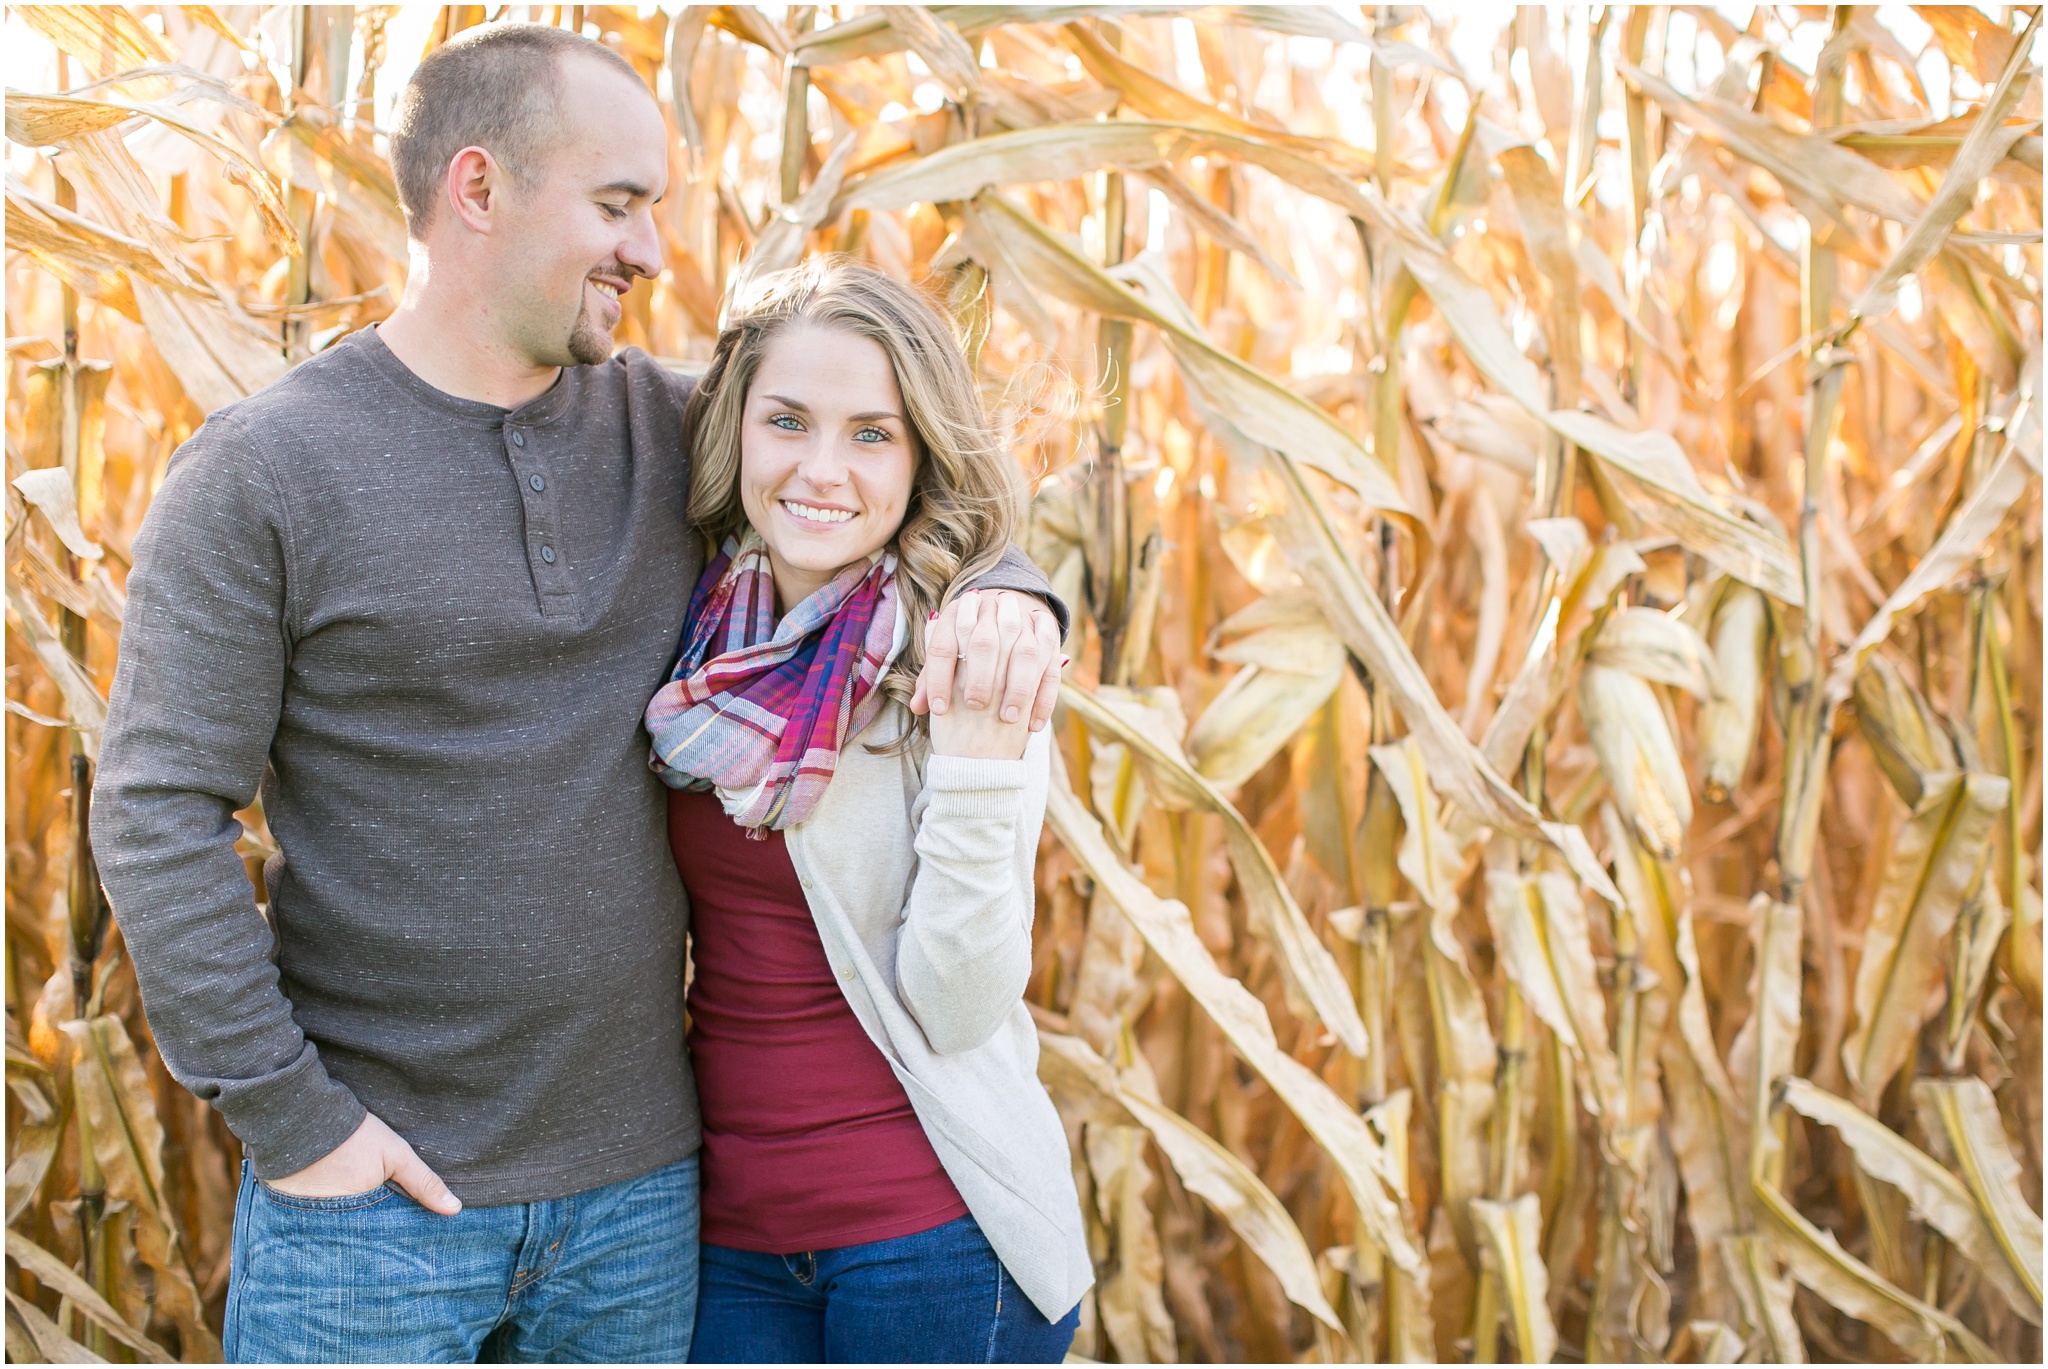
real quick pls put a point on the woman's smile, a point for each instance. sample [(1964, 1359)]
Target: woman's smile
[(817, 514)]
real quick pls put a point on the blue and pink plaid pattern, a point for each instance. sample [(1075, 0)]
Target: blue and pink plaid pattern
[(758, 709)]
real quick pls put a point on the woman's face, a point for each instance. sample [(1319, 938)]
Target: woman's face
[(826, 455)]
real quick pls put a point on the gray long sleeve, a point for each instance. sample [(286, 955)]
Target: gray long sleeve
[(195, 704)]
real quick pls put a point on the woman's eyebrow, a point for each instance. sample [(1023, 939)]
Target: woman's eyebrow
[(869, 417)]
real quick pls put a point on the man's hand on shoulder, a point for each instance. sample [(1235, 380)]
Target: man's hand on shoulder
[(986, 639), (372, 1156)]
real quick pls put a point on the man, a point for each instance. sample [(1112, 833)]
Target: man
[(419, 592)]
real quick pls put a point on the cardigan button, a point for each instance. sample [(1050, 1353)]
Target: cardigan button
[(846, 973)]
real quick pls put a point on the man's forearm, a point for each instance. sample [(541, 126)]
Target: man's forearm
[(202, 956)]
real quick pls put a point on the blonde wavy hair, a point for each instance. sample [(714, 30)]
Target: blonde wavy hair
[(966, 496)]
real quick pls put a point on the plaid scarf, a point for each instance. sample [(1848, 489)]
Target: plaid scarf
[(757, 709)]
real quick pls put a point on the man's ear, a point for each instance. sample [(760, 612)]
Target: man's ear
[(476, 188)]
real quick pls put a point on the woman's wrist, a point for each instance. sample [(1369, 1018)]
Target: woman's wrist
[(979, 734)]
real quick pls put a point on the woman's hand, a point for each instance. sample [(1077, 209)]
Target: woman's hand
[(979, 732), (962, 645)]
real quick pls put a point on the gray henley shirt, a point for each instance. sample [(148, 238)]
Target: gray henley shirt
[(424, 629)]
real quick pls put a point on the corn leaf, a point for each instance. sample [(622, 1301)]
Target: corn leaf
[(1657, 647), (1961, 1118), (128, 1140), (37, 1339), (84, 706), (1937, 1197), (1816, 1259), (1263, 411), (104, 38), (1208, 1170), (1168, 930), (53, 494), (1513, 1233), (1935, 862), (1986, 146), (1903, 732), (53, 1273), (1307, 962), (1973, 523), (1257, 713)]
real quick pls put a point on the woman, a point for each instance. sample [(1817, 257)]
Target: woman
[(884, 1176)]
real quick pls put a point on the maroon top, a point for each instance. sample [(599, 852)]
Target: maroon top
[(810, 1142)]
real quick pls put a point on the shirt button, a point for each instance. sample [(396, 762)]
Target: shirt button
[(518, 438), (537, 483), (547, 554), (846, 973)]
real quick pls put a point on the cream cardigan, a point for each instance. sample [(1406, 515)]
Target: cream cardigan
[(918, 870)]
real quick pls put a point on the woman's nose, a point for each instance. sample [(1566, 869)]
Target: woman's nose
[(824, 465)]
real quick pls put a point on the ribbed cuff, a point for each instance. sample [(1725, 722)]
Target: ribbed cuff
[(291, 1118), (971, 787)]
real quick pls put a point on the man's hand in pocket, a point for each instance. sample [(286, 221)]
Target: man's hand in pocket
[(372, 1156)]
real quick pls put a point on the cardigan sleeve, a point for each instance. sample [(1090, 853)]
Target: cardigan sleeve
[(964, 955)]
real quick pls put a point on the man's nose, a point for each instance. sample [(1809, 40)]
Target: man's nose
[(641, 252)]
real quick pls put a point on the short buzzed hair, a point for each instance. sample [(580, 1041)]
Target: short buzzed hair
[(495, 86)]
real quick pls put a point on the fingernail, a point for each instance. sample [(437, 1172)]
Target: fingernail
[(1010, 714), (934, 617), (938, 705), (1064, 660)]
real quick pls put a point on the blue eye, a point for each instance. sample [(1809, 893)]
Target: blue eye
[(872, 434), (787, 422)]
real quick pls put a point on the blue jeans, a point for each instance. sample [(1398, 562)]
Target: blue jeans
[(939, 1296), (609, 1275)]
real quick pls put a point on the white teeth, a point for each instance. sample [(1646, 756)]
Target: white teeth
[(811, 515), (611, 290)]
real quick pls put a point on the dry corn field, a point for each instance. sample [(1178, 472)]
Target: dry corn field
[(1547, 859)]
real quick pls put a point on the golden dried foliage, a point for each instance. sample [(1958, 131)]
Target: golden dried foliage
[(1580, 478)]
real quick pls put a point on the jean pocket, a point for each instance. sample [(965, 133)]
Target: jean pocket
[(346, 1202)]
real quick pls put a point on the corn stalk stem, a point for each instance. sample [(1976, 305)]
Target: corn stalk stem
[(1810, 717), (1111, 571), (1636, 140), (1811, 721), (1585, 117), (1386, 433), (1504, 1143), (1382, 111), (1377, 878), (1614, 1249), (1996, 667), (796, 131), (1561, 1165)]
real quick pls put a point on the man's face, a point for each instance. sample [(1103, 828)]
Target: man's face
[(580, 230)]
